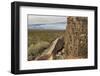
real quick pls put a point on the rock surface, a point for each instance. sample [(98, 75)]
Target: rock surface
[(76, 37), (55, 47)]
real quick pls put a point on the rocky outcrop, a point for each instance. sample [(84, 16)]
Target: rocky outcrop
[(76, 37), (56, 46)]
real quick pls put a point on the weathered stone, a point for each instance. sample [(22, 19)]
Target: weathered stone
[(55, 47), (76, 36), (59, 45), (43, 57)]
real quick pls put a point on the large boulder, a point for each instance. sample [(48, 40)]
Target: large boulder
[(76, 37)]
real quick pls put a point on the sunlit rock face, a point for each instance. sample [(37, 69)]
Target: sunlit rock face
[(76, 41)]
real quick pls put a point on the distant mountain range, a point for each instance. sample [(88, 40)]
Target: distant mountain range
[(46, 26)]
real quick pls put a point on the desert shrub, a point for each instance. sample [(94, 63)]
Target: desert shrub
[(37, 49), (35, 36)]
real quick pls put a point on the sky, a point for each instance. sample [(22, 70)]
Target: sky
[(47, 22)]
